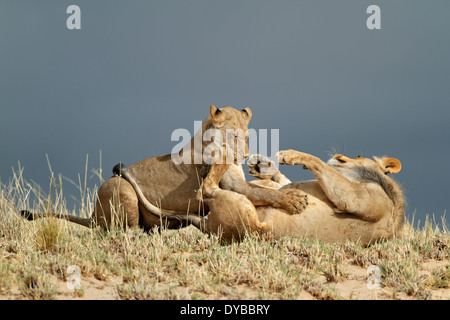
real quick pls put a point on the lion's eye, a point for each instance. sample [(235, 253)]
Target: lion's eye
[(340, 160)]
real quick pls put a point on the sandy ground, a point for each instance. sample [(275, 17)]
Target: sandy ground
[(353, 286)]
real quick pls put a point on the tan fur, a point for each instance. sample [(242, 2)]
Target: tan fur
[(352, 199)]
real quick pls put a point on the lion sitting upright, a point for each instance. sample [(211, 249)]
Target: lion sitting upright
[(352, 199)]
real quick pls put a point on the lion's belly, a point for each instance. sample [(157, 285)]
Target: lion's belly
[(318, 220)]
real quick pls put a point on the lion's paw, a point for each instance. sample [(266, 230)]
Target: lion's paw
[(261, 167), (294, 201), (291, 157)]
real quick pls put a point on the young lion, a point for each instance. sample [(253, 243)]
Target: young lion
[(352, 199)]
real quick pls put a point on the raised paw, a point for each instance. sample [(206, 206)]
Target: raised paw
[(261, 167), (294, 201), (291, 157)]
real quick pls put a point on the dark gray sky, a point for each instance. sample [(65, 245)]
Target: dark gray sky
[(137, 70)]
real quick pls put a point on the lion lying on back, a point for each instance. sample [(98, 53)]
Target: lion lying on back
[(352, 199)]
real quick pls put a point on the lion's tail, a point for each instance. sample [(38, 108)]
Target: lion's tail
[(121, 171), (86, 222)]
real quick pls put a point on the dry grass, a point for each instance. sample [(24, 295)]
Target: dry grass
[(185, 264)]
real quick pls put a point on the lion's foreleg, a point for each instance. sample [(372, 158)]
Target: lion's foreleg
[(337, 187), (347, 195), (211, 182)]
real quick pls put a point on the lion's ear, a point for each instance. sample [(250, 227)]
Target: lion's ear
[(247, 113), (390, 165), (217, 115)]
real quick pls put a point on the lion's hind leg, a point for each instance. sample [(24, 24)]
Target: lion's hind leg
[(232, 216), (117, 205)]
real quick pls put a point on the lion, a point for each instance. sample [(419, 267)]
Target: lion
[(352, 199), (157, 191)]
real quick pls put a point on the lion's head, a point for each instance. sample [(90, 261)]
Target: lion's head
[(229, 134), (347, 165), (368, 170)]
